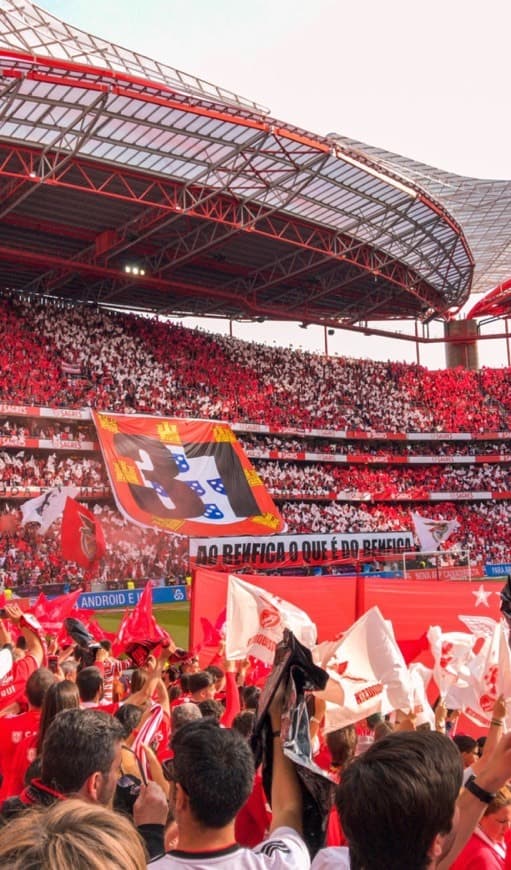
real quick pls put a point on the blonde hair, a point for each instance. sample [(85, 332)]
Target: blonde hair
[(501, 799), (71, 835)]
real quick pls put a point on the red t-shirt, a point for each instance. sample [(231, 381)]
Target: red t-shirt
[(15, 731), (478, 855), (253, 820), (12, 686)]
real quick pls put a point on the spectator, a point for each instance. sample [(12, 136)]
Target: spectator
[(410, 780), (487, 846), (212, 775), (71, 835)]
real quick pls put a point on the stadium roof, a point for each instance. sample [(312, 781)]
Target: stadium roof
[(482, 207), (127, 183)]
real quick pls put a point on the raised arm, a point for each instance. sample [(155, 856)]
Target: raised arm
[(34, 645), (286, 794), (470, 806)]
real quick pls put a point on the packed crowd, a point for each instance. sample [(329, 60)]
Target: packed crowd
[(26, 469), (124, 364), (286, 479), (261, 445), (73, 357), (133, 553), (181, 763), (484, 527), (46, 430)]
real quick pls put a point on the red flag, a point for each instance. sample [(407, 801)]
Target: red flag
[(83, 541), (51, 614), (410, 649), (139, 633), (214, 634)]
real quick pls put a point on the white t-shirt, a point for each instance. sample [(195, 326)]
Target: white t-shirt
[(283, 850), (333, 858)]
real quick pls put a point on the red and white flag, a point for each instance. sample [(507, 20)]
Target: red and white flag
[(481, 626), (452, 654), (82, 537), (431, 533), (256, 620), (368, 673), (491, 676)]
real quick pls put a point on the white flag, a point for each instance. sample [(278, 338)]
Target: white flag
[(491, 672), (481, 626), (420, 676), (432, 533), (48, 507), (256, 620), (452, 653), (368, 673)]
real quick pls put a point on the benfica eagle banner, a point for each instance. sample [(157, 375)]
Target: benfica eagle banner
[(256, 620), (82, 537), (189, 477), (432, 533)]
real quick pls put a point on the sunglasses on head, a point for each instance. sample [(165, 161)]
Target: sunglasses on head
[(169, 772)]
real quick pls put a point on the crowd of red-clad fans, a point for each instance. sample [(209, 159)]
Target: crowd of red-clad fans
[(98, 731), (144, 364), (28, 559), (315, 479), (63, 356), (137, 754)]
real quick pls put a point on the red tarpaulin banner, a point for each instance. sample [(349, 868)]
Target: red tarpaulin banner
[(329, 601), (190, 477), (415, 605), (335, 603)]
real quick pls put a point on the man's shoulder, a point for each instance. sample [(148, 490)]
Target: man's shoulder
[(285, 843), (284, 849), (333, 858)]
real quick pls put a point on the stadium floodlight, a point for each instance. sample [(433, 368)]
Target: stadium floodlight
[(130, 269)]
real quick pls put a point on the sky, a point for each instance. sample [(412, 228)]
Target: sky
[(429, 81)]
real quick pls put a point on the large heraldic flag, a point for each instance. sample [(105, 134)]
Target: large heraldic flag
[(189, 477)]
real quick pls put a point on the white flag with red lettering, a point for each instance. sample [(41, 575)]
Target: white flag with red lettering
[(368, 673), (256, 620)]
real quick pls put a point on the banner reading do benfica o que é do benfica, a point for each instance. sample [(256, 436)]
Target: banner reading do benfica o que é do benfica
[(189, 477), (293, 550)]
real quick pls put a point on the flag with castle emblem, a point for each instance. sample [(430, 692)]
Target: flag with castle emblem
[(187, 477)]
